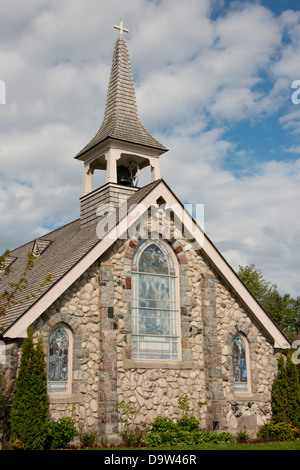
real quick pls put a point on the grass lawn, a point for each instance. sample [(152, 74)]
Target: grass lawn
[(289, 445)]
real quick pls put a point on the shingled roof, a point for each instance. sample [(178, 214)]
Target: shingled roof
[(121, 120)]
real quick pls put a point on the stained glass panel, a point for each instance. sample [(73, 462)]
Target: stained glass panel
[(58, 359), (154, 291), (153, 260), (239, 364)]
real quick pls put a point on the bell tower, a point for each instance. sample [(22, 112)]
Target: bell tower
[(122, 147)]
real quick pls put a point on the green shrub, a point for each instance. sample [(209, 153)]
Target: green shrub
[(132, 432), (242, 435), (132, 435), (163, 424), (188, 423), (166, 432), (175, 435), (198, 437), (181, 436), (88, 439), (280, 431), (61, 432), (186, 430), (154, 438), (220, 437), (163, 432), (170, 437)]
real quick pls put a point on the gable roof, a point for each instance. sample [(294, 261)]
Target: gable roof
[(121, 120), (74, 250), (66, 246)]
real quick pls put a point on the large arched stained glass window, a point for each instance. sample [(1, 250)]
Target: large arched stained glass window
[(154, 306), (58, 359), (239, 363)]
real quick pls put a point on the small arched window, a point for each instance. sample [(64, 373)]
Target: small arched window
[(240, 364), (59, 358), (154, 303)]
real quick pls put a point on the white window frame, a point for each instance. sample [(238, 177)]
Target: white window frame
[(239, 389), (134, 297), (68, 390)]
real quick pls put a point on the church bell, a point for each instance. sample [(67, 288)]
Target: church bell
[(124, 176)]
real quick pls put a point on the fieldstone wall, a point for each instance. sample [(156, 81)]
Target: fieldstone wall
[(210, 317), (97, 311), (252, 409), (78, 309)]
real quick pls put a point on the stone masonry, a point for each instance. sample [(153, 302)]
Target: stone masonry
[(97, 311)]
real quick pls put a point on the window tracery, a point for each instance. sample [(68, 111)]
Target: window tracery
[(239, 364), (154, 303), (58, 359)]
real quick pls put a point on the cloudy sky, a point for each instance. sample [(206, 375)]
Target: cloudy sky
[(213, 82)]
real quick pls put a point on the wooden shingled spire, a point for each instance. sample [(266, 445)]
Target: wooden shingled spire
[(121, 120)]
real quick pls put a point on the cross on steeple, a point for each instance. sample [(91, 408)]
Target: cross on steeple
[(121, 28)]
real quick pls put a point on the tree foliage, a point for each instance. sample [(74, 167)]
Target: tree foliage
[(286, 392), (4, 406), (10, 296), (29, 416), (283, 309)]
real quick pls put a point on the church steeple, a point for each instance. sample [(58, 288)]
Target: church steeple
[(122, 146)]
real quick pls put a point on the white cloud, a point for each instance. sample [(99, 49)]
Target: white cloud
[(293, 149), (291, 120)]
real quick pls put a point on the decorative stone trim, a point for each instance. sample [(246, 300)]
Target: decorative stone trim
[(75, 350), (75, 398), (62, 318), (244, 331)]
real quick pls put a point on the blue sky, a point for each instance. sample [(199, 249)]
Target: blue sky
[(213, 83)]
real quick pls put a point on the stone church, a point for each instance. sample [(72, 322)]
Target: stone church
[(141, 307)]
